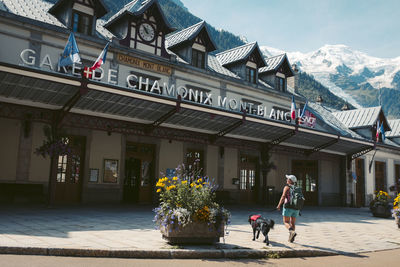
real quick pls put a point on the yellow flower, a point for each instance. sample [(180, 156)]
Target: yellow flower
[(199, 180), (175, 178), (192, 184), (158, 190), (160, 185), (184, 182)]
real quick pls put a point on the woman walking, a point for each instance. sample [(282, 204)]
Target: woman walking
[(289, 215)]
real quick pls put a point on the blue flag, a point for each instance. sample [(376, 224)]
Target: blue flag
[(71, 53), (382, 132), (304, 110)]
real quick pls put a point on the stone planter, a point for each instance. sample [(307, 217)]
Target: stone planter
[(194, 233), (382, 211)]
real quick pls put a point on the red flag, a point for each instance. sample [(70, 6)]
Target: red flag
[(101, 59), (378, 129)]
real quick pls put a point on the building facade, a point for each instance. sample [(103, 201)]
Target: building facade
[(161, 99)]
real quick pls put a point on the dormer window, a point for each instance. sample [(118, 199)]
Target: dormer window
[(251, 75), (81, 23), (192, 44), (280, 84), (198, 58)]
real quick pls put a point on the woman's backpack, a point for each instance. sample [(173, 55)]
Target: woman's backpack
[(296, 200)]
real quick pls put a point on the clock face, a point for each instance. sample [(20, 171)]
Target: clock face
[(146, 32)]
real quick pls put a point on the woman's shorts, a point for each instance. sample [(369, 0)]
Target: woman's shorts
[(290, 212)]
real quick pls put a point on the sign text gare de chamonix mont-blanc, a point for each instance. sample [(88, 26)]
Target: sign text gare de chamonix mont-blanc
[(135, 82)]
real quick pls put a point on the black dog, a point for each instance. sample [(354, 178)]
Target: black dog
[(260, 224)]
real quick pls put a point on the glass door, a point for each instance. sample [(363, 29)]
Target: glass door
[(69, 172)]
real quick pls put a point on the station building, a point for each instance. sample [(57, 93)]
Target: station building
[(161, 99)]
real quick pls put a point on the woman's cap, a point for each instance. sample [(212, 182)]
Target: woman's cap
[(291, 177)]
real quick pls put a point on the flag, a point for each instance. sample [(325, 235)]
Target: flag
[(293, 109), (303, 112), (382, 132), (71, 53), (378, 129), (101, 59)]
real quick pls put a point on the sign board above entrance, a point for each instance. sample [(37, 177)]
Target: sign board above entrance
[(142, 64)]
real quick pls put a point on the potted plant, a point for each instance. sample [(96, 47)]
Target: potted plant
[(187, 212), (396, 210), (380, 206)]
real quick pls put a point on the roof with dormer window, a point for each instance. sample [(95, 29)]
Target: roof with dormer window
[(274, 63), (395, 125), (98, 5), (33, 9), (137, 8), (38, 11), (189, 35), (241, 53), (362, 117)]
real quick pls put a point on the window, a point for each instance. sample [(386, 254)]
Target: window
[(280, 84), (247, 173), (61, 169), (81, 23), (198, 58), (250, 75)]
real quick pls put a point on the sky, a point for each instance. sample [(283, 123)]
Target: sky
[(369, 26)]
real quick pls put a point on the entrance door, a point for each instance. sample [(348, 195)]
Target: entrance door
[(306, 172), (380, 176), (139, 173), (360, 185), (247, 179), (69, 172)]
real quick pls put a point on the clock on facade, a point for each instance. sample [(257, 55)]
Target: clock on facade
[(146, 32)]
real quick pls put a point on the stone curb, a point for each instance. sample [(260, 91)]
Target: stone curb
[(167, 254)]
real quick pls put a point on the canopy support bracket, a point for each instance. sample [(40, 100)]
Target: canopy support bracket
[(166, 116), (320, 147), (229, 129)]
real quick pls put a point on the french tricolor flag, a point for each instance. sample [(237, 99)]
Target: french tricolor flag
[(101, 59), (378, 130), (293, 109)]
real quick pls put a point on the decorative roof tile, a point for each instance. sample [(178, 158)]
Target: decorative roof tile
[(273, 63), (237, 54), (395, 125), (214, 65), (103, 32), (358, 118), (187, 34), (33, 9)]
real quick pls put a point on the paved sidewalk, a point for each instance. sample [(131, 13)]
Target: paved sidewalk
[(121, 231)]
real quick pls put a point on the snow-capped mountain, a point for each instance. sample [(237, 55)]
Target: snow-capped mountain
[(348, 73)]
